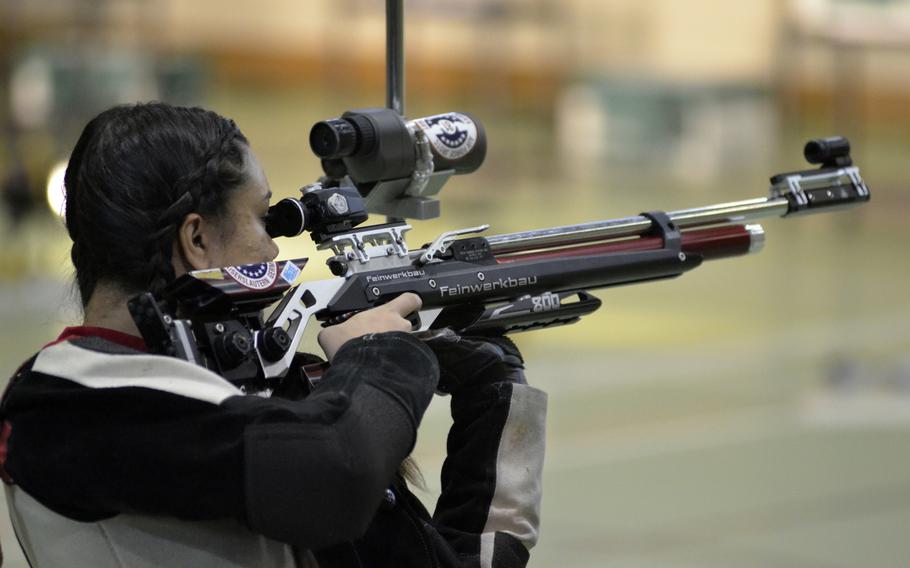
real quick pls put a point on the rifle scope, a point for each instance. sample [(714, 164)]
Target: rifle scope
[(377, 144)]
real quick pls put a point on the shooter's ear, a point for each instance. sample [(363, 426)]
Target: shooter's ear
[(195, 245)]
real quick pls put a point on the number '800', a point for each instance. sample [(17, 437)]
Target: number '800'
[(545, 302)]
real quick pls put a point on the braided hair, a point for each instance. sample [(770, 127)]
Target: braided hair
[(136, 172)]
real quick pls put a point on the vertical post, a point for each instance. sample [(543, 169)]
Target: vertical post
[(394, 30), (394, 63)]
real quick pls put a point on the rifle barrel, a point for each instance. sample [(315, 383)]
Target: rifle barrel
[(738, 212), (711, 243)]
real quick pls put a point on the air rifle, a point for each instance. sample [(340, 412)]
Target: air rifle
[(376, 161)]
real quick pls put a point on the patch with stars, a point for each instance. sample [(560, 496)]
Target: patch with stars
[(452, 135), (254, 276)]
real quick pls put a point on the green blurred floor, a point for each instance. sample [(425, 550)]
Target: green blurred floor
[(638, 475)]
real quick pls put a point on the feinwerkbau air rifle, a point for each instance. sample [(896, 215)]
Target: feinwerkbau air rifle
[(375, 160)]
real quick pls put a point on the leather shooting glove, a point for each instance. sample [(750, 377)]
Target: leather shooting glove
[(470, 361)]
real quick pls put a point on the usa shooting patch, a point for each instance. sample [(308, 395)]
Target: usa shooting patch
[(254, 276), (452, 135)]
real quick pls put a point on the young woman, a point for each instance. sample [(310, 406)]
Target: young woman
[(112, 456)]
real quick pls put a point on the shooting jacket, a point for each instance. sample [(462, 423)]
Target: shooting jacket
[(112, 457)]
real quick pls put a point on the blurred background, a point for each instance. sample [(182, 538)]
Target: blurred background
[(755, 412)]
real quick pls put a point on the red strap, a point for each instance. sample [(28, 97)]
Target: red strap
[(5, 432), (111, 335)]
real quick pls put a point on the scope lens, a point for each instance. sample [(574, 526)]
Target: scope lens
[(335, 138)]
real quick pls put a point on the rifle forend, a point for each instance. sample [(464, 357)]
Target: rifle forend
[(498, 284)]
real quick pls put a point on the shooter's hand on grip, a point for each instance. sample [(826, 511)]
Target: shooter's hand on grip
[(391, 316)]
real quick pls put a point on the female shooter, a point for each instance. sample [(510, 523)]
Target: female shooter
[(112, 456)]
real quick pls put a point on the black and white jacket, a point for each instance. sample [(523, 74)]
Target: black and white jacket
[(114, 457)]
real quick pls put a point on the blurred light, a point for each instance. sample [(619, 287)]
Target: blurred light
[(32, 93), (56, 195)]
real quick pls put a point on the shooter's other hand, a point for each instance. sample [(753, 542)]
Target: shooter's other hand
[(390, 316), (468, 361)]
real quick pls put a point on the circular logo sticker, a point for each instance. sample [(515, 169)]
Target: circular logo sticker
[(452, 135), (254, 276)]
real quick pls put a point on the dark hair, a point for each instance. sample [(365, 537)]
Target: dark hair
[(136, 172)]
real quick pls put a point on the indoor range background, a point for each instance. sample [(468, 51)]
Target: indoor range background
[(754, 412)]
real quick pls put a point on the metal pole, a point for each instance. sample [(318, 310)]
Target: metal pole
[(394, 63), (394, 33)]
